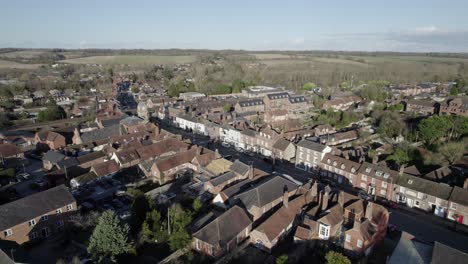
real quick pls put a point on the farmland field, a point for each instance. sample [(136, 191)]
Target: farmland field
[(275, 56), (15, 65), (26, 54), (132, 59)]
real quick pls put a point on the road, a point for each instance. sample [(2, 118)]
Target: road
[(24, 189), (427, 231)]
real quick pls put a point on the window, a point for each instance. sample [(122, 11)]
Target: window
[(343, 166), (348, 238), (60, 223), (416, 203), (58, 211), (33, 235), (383, 192), (453, 206), (368, 170), (324, 231), (44, 217), (378, 173), (373, 181), (353, 170), (420, 195), (410, 181), (211, 250), (7, 232), (359, 243), (363, 185), (32, 222), (45, 232), (364, 177), (328, 161), (386, 175), (384, 184)]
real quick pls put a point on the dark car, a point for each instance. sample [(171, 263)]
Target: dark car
[(363, 195)]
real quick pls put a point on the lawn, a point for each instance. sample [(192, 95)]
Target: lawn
[(4, 64), (133, 59)]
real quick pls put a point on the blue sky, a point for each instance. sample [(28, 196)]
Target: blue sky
[(370, 25)]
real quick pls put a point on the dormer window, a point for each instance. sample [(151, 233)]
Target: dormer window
[(410, 181), (334, 163), (353, 170), (386, 175), (368, 170), (328, 161), (378, 173), (343, 166)]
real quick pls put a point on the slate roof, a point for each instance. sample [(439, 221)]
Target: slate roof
[(266, 192), (53, 156), (223, 178), (340, 163), (459, 195), (131, 121), (418, 184), (127, 156), (68, 162), (225, 227), (32, 206), (84, 178), (377, 171), (109, 122), (239, 167), (297, 99), (275, 96), (101, 134), (442, 254), (421, 103), (251, 102), (48, 135), (311, 145)]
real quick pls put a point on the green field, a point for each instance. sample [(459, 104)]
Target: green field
[(15, 65), (132, 60)]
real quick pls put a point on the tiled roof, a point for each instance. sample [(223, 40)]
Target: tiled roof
[(101, 134), (281, 144), (32, 206), (225, 227), (8, 150), (105, 168), (239, 167), (90, 157), (333, 216), (377, 171), (311, 145), (53, 156), (459, 195)]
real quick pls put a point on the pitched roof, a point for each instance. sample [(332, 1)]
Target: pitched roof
[(424, 186), (175, 160), (239, 167), (340, 163), (90, 157), (219, 166), (8, 150), (34, 205), (459, 195), (251, 102), (53, 156), (223, 178), (283, 217), (275, 96), (311, 145), (105, 168), (84, 178), (333, 216), (266, 192), (49, 135), (68, 162), (126, 156), (101, 134), (442, 254), (281, 144), (225, 227), (377, 171)]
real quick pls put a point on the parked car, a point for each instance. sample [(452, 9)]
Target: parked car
[(389, 204), (225, 145), (23, 176), (41, 183), (363, 195)]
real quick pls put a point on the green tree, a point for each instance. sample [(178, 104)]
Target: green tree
[(51, 113), (197, 205), (390, 124), (282, 259), (238, 85), (309, 86), (140, 207), (433, 128), (454, 90), (168, 73), (223, 89), (400, 157), (154, 228), (452, 151), (109, 239), (333, 257), (179, 219), (227, 108)]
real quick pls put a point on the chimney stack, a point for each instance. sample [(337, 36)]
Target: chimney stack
[(325, 199), (369, 210), (402, 169), (346, 155), (375, 159), (286, 197), (357, 224), (341, 199)]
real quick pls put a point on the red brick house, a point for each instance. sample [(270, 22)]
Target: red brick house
[(376, 180), (37, 216), (49, 140)]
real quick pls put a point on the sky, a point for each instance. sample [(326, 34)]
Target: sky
[(366, 25)]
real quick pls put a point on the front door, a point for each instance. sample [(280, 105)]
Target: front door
[(409, 202), (45, 232)]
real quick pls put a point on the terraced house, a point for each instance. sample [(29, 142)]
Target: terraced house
[(338, 169), (309, 154), (376, 180), (37, 216), (423, 194)]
